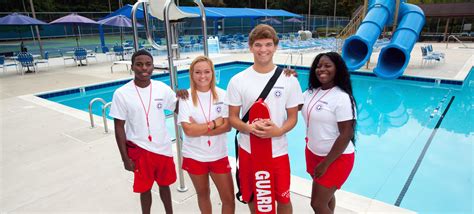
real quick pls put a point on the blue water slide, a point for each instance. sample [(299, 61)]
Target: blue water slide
[(357, 49), (394, 57)]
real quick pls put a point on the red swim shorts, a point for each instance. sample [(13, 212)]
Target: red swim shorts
[(337, 172), (150, 167), (281, 175), (195, 167)]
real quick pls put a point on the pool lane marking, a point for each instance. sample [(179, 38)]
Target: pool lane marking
[(422, 155)]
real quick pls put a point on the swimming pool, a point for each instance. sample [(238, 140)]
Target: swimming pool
[(415, 137)]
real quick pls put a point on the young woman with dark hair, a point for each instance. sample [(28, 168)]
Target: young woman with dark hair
[(329, 111)]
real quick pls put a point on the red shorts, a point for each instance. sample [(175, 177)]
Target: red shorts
[(337, 172), (195, 167), (281, 175), (150, 167)]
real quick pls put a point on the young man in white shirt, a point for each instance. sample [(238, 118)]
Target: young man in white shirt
[(282, 101), (140, 131)]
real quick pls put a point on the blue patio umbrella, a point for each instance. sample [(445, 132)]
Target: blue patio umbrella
[(117, 21), (16, 19), (270, 21), (295, 20), (74, 19)]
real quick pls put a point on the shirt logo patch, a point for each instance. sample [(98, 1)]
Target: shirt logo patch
[(159, 105), (318, 108), (277, 93), (219, 109)]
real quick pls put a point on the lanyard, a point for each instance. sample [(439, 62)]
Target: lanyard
[(146, 111), (310, 109), (205, 118)]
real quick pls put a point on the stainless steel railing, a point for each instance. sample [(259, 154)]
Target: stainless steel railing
[(104, 109)]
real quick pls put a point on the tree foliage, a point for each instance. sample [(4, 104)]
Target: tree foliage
[(318, 7)]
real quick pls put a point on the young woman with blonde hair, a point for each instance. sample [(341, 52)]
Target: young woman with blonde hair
[(205, 124)]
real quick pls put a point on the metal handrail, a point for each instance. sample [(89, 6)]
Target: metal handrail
[(290, 56), (353, 24), (173, 75), (204, 26), (288, 65), (104, 117), (134, 22), (457, 39), (174, 85), (90, 108)]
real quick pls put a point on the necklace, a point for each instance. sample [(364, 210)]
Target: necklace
[(145, 110), (208, 119), (310, 109)]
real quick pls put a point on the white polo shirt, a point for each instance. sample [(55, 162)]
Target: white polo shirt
[(126, 105), (323, 131), (198, 148), (243, 90)]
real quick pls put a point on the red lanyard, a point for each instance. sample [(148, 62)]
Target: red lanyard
[(146, 111), (310, 109), (205, 118)]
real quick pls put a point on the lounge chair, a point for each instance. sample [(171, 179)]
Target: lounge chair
[(26, 61), (93, 54), (429, 48), (65, 57), (44, 60), (4, 64), (107, 53), (426, 58), (80, 54)]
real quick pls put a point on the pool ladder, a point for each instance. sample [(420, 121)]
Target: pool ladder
[(290, 56), (104, 108)]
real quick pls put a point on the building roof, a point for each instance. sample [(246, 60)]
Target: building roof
[(225, 12), (214, 12), (448, 9)]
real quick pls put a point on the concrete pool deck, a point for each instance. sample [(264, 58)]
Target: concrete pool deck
[(52, 162)]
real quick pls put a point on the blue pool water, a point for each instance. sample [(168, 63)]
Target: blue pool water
[(412, 150)]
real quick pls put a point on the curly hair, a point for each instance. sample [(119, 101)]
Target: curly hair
[(139, 53), (341, 79)]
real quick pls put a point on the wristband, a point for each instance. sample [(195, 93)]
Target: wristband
[(209, 126)]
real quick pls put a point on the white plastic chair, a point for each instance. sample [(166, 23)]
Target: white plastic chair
[(4, 64), (426, 58), (44, 60)]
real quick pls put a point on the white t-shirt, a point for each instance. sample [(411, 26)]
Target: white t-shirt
[(334, 106), (243, 90), (126, 105), (198, 148)]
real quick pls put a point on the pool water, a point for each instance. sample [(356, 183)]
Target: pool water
[(414, 139)]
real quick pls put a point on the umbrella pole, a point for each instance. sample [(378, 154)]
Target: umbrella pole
[(33, 35), (19, 32), (36, 28), (121, 40), (77, 38)]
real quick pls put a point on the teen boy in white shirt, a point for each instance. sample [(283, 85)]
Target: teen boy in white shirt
[(282, 101), (140, 131)]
